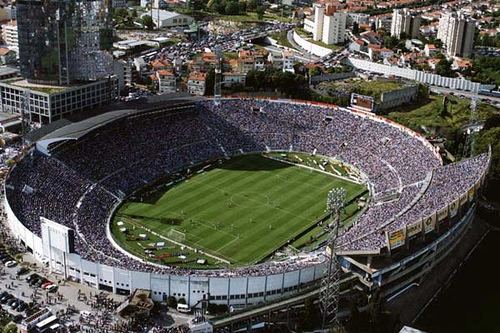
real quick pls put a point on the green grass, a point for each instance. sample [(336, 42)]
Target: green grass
[(242, 210), (427, 115), (308, 36)]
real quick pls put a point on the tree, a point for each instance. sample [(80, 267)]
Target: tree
[(147, 21), (181, 301), (232, 8), (313, 71), (209, 82), (355, 28), (251, 5), (10, 328), (171, 302), (260, 12), (443, 68)]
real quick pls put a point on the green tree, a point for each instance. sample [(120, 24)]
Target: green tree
[(232, 8), (355, 28), (171, 302), (10, 328), (209, 82), (147, 22), (443, 68), (260, 12), (251, 5), (313, 71)]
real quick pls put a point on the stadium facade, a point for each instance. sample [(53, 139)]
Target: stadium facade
[(420, 209)]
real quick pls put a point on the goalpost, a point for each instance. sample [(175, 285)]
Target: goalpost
[(176, 235)]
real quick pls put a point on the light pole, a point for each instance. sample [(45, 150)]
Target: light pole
[(330, 289)]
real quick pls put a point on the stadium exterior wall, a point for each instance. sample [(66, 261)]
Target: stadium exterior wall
[(419, 76)]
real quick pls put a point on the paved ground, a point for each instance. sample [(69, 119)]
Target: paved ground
[(69, 295)]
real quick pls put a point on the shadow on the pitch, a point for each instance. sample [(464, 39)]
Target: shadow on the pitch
[(253, 162)]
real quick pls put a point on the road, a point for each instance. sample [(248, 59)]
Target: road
[(467, 94)]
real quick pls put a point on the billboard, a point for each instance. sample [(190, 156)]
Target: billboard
[(363, 101), (471, 193), (414, 229), (429, 223), (453, 207), (442, 213), (397, 238)]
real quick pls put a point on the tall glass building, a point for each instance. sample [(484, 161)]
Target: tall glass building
[(62, 42)]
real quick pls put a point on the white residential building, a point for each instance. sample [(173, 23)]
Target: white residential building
[(456, 31), (9, 34), (288, 61), (327, 25), (196, 83), (167, 19), (334, 28), (167, 83), (403, 21)]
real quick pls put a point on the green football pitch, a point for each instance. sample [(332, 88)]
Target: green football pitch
[(241, 210)]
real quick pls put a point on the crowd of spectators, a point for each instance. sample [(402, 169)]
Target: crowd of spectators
[(82, 181)]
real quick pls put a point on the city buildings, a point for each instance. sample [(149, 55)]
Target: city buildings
[(405, 23), (46, 103), (10, 36), (167, 82), (64, 42), (327, 25), (196, 83), (167, 19), (456, 31)]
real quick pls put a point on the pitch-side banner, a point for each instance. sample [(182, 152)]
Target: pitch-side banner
[(463, 199), (442, 213), (429, 223), (414, 229), (471, 193), (397, 238), (453, 207)]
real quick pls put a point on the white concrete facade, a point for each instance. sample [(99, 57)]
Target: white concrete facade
[(457, 34), (334, 28)]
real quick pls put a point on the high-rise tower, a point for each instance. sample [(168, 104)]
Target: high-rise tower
[(64, 42)]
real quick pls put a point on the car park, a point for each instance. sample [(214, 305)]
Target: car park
[(22, 271), (11, 301), (22, 307), (6, 298)]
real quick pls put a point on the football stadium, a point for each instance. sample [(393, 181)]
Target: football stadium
[(226, 202)]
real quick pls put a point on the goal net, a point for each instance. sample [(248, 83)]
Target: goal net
[(176, 235)]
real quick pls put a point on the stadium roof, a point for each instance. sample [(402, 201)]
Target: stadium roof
[(76, 130)]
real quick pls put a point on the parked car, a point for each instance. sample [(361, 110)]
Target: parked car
[(22, 271), (10, 263), (32, 276), (5, 298), (22, 306)]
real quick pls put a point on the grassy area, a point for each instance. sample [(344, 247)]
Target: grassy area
[(427, 116), (242, 210), (282, 38), (252, 17), (309, 36)]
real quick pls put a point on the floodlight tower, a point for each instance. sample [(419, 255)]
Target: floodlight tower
[(25, 112), (471, 131), (330, 289), (218, 76)]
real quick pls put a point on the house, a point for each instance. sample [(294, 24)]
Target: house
[(197, 83), (167, 82), (288, 60), (167, 19), (230, 79), (275, 59), (7, 56), (430, 50), (246, 61), (161, 64)]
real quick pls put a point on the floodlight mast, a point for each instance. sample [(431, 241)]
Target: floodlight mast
[(330, 288)]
